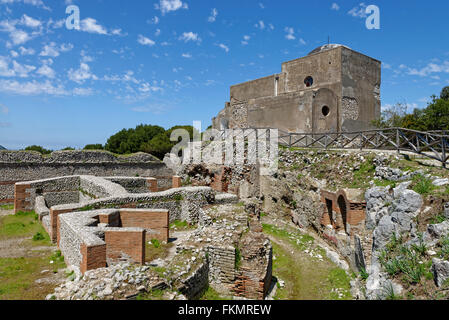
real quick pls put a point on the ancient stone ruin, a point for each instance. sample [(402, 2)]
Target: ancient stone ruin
[(104, 222)]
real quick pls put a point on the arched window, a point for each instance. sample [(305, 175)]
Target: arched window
[(325, 110)]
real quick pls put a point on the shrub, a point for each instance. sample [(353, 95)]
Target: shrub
[(38, 236), (155, 243), (38, 149), (94, 147)]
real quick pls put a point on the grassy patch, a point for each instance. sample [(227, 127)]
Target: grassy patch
[(22, 224), (299, 240), (410, 264), (19, 275), (422, 185), (361, 177), (156, 249), (211, 294), (7, 207), (179, 225)]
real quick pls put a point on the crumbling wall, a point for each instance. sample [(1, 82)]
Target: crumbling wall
[(18, 166)]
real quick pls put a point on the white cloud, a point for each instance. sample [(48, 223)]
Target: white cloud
[(157, 33), (170, 5), (46, 71), (15, 70), (290, 33), (37, 3), (224, 47), (82, 74), (245, 40), (190, 36), (90, 25), (14, 54), (19, 37), (31, 88), (213, 15), (302, 41), (25, 51), (30, 22), (186, 55), (260, 25), (145, 41), (335, 6), (261, 5), (359, 11), (52, 50), (22, 70), (430, 68)]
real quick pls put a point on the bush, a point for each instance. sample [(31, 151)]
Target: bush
[(38, 236), (38, 149), (155, 243), (94, 147)]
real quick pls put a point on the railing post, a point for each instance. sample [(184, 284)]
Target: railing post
[(443, 150), (397, 140)]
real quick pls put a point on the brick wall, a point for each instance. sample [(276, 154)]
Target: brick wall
[(131, 243), (93, 257), (157, 220), (22, 196), (176, 182), (152, 184)]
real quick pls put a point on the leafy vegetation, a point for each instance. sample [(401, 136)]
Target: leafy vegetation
[(38, 149), (422, 185), (434, 117), (407, 262), (144, 138), (97, 146)]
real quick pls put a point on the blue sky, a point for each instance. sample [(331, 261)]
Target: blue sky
[(170, 62)]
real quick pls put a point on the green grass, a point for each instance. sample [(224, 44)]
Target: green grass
[(7, 207), (22, 224), (305, 278), (211, 294), (156, 250), (152, 295), (384, 183), (410, 264), (181, 225), (299, 240), (360, 177), (422, 185)]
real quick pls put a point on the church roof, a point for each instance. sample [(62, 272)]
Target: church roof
[(326, 47)]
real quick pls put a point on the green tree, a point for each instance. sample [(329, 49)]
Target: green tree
[(158, 146), (38, 149), (445, 93)]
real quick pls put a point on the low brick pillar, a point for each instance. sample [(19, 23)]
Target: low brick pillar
[(94, 257), (22, 201), (54, 224), (176, 182), (152, 184), (131, 243)]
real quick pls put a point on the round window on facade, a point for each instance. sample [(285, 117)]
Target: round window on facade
[(308, 81), (325, 110)]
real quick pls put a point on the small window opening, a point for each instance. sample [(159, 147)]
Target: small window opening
[(308, 81), (325, 111)]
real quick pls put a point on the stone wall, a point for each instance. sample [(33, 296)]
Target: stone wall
[(94, 239), (17, 166)]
